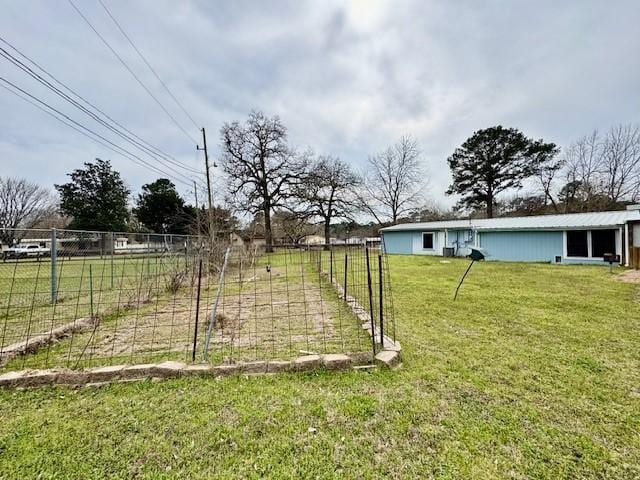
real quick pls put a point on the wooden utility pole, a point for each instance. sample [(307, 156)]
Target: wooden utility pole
[(207, 169)]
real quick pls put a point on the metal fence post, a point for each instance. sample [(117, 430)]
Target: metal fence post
[(54, 266), (113, 253), (331, 265), (195, 329), (346, 264), (373, 330), (149, 251), (381, 301), (91, 290)]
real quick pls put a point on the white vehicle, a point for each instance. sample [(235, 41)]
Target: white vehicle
[(27, 250)]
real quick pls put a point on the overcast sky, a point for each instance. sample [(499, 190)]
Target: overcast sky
[(346, 78)]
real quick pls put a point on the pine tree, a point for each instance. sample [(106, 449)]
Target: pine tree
[(493, 160)]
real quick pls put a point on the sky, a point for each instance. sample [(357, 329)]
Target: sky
[(347, 78)]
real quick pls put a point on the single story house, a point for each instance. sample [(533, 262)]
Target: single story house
[(566, 238), (247, 240)]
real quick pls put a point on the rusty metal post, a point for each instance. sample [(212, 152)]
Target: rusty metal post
[(373, 330), (195, 329), (346, 265), (381, 301)]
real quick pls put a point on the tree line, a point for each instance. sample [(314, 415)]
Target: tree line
[(287, 193), (596, 172)]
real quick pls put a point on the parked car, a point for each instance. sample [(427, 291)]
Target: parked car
[(27, 250)]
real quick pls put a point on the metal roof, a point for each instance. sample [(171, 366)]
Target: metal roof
[(537, 222)]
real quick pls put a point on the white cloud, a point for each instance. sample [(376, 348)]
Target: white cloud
[(347, 78)]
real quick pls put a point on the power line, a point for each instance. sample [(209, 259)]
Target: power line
[(195, 124), (44, 82), (146, 89), (134, 158), (112, 146), (158, 151), (117, 132)]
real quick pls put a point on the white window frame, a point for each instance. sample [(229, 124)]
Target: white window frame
[(433, 241)]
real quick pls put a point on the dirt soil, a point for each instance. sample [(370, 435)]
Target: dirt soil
[(268, 313), (630, 276)]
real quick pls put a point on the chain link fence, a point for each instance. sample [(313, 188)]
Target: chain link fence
[(77, 299)]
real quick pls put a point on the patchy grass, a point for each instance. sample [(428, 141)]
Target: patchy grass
[(531, 373)]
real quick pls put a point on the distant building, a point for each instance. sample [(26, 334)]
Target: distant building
[(313, 240), (372, 242), (567, 238), (248, 241)]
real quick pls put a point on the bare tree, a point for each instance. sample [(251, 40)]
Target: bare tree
[(582, 166), (393, 181), (327, 192), (261, 167), (547, 174), (602, 171), (292, 226), (620, 163), (22, 205)]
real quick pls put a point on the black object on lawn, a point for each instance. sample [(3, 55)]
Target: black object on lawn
[(611, 258), (475, 255)]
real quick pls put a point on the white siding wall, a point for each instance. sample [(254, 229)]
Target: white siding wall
[(636, 235)]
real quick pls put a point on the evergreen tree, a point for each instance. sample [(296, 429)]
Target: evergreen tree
[(494, 160), (161, 209), (96, 198)]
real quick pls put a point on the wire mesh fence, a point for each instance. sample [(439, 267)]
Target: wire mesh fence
[(77, 299)]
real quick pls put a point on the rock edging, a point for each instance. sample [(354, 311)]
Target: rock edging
[(41, 340), (98, 376)]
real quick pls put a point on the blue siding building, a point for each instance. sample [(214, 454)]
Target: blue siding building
[(567, 238)]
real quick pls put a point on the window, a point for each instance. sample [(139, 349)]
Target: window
[(603, 241), (427, 241), (577, 243), (591, 243)]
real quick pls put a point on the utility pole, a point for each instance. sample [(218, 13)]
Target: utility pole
[(209, 196)]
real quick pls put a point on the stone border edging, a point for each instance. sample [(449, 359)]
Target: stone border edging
[(361, 314), (98, 376), (41, 340)]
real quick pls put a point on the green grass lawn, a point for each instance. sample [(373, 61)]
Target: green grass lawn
[(532, 373)]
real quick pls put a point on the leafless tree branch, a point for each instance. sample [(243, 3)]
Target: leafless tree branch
[(22, 205), (394, 181)]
